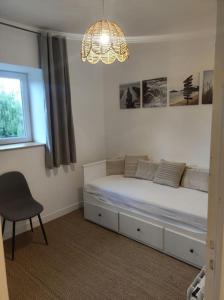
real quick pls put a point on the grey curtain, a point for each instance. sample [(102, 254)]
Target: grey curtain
[(60, 146)]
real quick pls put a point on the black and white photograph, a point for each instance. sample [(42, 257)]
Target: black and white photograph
[(130, 95), (155, 92), (207, 93), (184, 90)]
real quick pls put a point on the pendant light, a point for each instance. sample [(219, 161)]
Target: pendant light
[(104, 41)]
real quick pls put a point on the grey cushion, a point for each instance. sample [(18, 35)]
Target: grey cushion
[(130, 165), (196, 179), (115, 166), (146, 169), (169, 173)]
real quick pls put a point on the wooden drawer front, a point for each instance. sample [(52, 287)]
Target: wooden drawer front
[(102, 216), (184, 247), (142, 231)]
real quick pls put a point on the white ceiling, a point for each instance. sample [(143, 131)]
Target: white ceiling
[(136, 17)]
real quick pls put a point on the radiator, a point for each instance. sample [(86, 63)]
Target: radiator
[(196, 289)]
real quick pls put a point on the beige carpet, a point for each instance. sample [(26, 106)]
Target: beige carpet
[(85, 261)]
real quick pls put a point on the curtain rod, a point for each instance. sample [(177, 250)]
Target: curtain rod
[(18, 27)]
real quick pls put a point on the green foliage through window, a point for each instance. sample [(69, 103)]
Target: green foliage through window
[(11, 116)]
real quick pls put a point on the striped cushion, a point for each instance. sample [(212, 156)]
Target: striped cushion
[(130, 165), (196, 179), (115, 166), (146, 169), (169, 173)]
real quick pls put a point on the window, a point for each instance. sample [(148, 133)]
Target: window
[(15, 125)]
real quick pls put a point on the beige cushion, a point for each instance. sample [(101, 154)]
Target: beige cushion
[(196, 179), (169, 173), (115, 166), (146, 169), (131, 162)]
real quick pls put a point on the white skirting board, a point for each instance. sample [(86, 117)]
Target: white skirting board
[(24, 226)]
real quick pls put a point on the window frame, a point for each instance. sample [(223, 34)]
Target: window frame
[(23, 77)]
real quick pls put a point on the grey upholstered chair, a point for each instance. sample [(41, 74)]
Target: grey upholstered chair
[(17, 203)]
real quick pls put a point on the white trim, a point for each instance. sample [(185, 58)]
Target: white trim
[(94, 170), (215, 246), (24, 226), (20, 146), (95, 163)]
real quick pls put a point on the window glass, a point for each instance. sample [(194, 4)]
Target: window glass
[(14, 108), (11, 108)]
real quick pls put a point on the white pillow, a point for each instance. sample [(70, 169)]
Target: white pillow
[(196, 179), (130, 164), (169, 173)]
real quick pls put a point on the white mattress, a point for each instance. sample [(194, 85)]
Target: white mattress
[(182, 205)]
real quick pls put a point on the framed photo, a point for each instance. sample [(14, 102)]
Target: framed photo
[(130, 95), (155, 92), (185, 90), (207, 92)]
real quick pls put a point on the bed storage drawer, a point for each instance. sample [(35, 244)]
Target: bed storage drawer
[(143, 231), (186, 248), (105, 217)]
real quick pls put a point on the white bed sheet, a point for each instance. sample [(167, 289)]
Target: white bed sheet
[(181, 205)]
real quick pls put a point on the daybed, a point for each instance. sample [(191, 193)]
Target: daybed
[(172, 220)]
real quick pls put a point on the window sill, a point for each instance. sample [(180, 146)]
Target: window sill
[(20, 146)]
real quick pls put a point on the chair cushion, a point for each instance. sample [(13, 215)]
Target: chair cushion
[(146, 169), (130, 165), (169, 173)]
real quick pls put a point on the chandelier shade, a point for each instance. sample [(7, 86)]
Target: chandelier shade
[(104, 41)]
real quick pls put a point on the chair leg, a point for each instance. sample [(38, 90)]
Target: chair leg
[(31, 224), (3, 226), (13, 238), (43, 231)]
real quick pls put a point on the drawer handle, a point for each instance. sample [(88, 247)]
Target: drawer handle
[(138, 229), (99, 215), (192, 250)]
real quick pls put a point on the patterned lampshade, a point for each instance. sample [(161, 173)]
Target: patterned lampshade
[(104, 41)]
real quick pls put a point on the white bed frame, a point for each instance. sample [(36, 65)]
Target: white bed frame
[(181, 243)]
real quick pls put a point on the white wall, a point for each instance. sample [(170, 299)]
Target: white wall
[(174, 133), (18, 47), (59, 191), (88, 105)]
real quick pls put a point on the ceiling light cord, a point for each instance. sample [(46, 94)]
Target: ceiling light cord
[(103, 5)]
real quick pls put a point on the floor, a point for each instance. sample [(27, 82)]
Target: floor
[(85, 261)]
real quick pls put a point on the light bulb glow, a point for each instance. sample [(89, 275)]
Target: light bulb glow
[(104, 39)]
